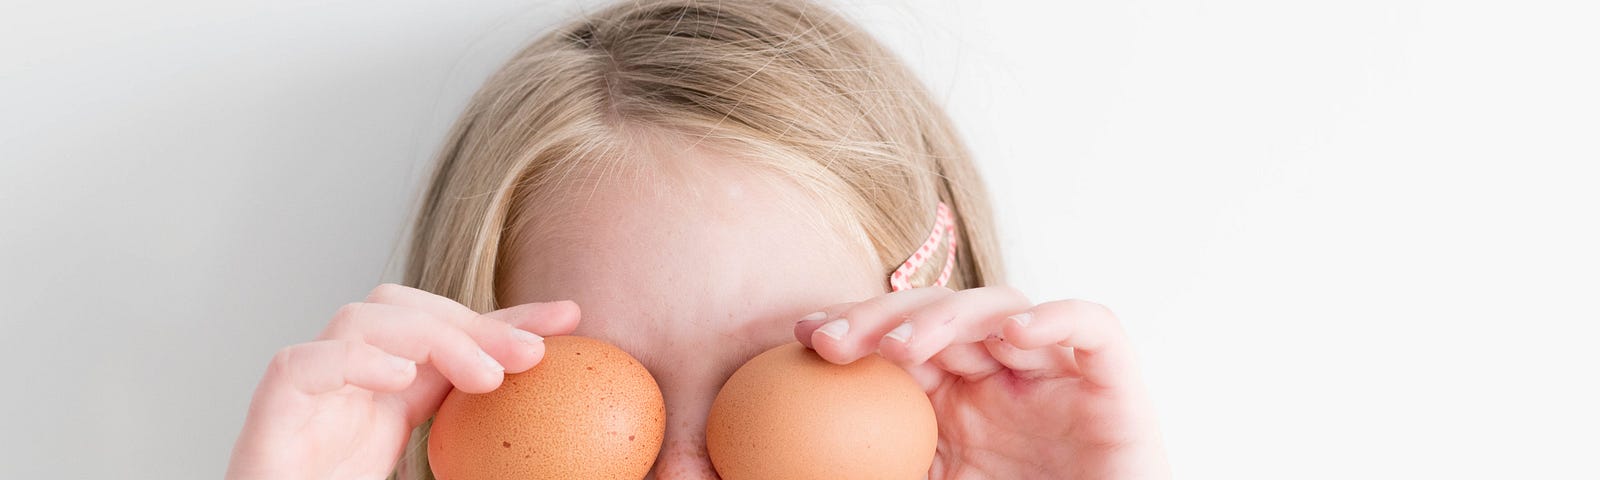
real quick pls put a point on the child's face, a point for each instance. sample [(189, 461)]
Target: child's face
[(693, 272)]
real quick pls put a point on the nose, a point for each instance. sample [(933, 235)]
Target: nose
[(689, 389), (683, 454), (683, 459)]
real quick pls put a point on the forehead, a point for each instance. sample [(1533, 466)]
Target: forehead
[(690, 235)]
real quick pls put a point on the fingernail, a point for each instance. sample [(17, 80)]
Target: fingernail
[(1022, 319), (835, 329), (901, 333), (400, 364), (814, 317), (488, 361), (525, 336)]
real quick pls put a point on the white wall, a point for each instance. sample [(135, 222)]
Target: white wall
[(1351, 238)]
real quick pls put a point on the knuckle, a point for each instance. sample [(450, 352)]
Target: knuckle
[(282, 365), (1008, 292), (1084, 308), (349, 348), (281, 359), (450, 340), (458, 335), (348, 312), (1097, 310), (934, 318), (412, 315), (480, 322), (940, 312), (866, 310), (386, 291), (344, 320)]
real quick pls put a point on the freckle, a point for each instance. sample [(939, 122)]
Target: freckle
[(579, 353), (505, 444), (588, 368)]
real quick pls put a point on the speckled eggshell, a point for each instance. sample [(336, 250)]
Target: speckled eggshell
[(787, 414), (587, 410)]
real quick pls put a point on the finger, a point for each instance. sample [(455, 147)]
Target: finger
[(810, 323), (856, 331), (965, 317), (1099, 345), (433, 303), (545, 318), (515, 348), (431, 387), (928, 376), (323, 366), (427, 392), (1044, 362), (497, 332), (970, 361), (423, 338)]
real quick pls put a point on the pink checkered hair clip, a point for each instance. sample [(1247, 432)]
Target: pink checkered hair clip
[(944, 228)]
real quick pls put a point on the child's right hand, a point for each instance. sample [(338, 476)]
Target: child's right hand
[(343, 406)]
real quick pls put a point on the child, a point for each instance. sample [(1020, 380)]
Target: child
[(708, 180)]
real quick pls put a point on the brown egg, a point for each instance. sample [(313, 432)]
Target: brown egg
[(587, 410), (789, 414)]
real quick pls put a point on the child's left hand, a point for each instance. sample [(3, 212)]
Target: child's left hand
[(1020, 390)]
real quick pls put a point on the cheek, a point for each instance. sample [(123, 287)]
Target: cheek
[(596, 329)]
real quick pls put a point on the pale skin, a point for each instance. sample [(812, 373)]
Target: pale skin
[(693, 269)]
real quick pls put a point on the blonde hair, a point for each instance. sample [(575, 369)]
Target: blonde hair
[(801, 91)]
